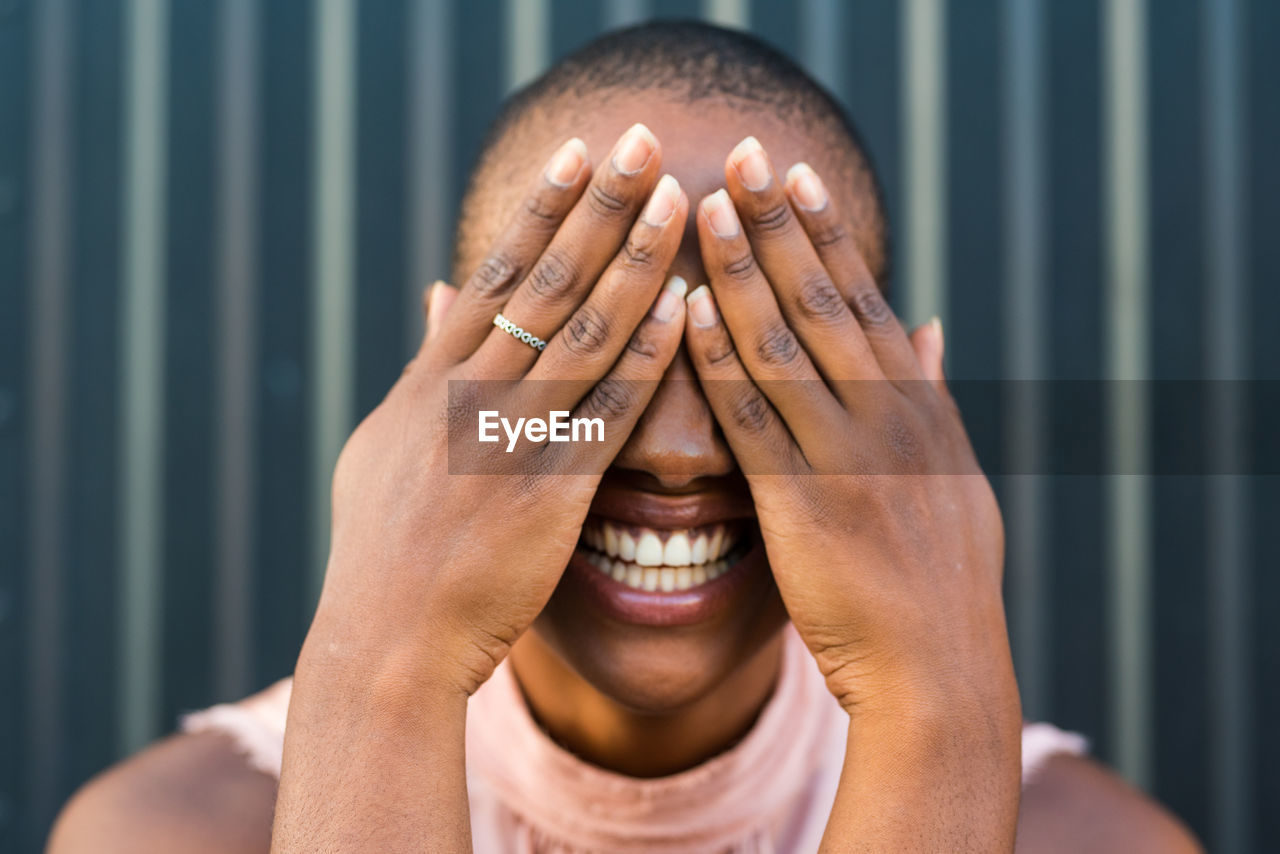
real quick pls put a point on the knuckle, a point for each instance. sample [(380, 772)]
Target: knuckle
[(586, 332), (818, 299), (607, 203), (496, 274), (871, 307), (552, 276), (638, 254), (611, 398), (750, 411), (828, 233), (740, 268), (643, 345), (773, 218), (778, 347), (541, 210)]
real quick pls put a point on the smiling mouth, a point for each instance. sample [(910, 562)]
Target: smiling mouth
[(663, 560)]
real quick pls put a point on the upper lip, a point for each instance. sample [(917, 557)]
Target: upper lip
[(644, 508)]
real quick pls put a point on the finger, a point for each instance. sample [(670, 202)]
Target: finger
[(621, 396), (438, 298), (759, 439), (568, 269), (531, 228), (598, 332), (812, 305), (770, 352), (834, 242), (926, 341)]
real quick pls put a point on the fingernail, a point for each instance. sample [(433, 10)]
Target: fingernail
[(937, 327), (702, 307), (566, 163), (634, 150), (662, 204), (668, 303), (720, 214), (752, 165), (807, 187)]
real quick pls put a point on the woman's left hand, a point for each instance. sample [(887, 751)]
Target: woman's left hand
[(883, 534)]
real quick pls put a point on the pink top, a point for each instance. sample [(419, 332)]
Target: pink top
[(771, 792)]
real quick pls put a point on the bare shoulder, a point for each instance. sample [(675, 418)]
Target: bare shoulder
[(188, 794), (1076, 804)]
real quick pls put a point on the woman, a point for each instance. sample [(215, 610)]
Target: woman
[(761, 612)]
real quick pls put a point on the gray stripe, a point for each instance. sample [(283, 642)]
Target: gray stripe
[(728, 13), (1025, 331), (236, 345), (621, 13), (821, 42), (528, 40), (142, 381), (924, 130), (1225, 314), (430, 156), (333, 260), (50, 238), (1128, 427)]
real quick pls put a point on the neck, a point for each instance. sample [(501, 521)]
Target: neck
[(603, 732)]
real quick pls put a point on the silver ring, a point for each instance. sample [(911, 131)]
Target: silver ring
[(519, 334)]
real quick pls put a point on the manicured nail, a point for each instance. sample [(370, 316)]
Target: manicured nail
[(634, 150), (566, 163), (702, 307), (720, 214), (668, 303), (807, 187), (749, 159), (662, 204)]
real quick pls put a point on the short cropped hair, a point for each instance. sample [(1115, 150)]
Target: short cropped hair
[(686, 61)]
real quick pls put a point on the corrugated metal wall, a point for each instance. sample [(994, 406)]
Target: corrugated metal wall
[(215, 219)]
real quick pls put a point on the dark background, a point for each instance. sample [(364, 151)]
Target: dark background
[(216, 217)]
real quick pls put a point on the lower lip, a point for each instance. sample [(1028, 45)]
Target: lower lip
[(676, 608)]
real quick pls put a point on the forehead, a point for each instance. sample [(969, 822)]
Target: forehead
[(696, 138)]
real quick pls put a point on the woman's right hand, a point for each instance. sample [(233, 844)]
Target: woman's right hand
[(433, 575)]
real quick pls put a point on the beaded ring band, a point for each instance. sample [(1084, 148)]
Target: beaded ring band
[(516, 332)]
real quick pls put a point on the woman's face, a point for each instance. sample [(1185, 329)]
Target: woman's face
[(675, 483)]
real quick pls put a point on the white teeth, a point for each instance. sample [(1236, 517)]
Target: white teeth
[(619, 571), (717, 540), (684, 578), (698, 554), (666, 579), (610, 541), (699, 575), (635, 577), (677, 552), (626, 547), (651, 579), (649, 550)]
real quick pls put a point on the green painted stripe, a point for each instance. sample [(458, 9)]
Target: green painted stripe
[(237, 346), (528, 40), (925, 134), (1026, 336), (1126, 360), (1227, 348), (333, 262), (142, 380)]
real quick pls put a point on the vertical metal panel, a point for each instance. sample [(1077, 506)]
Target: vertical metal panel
[(925, 140), (728, 13), (142, 380), (333, 259), (1024, 333), (622, 13), (822, 25), (237, 226), (1227, 347), (1128, 430), (527, 38), (430, 156), (51, 130)]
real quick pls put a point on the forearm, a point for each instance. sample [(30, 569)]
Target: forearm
[(374, 760), (920, 778)]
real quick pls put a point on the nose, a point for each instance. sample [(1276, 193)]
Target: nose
[(677, 440)]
